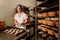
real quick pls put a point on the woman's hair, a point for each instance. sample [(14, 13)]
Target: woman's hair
[(19, 6)]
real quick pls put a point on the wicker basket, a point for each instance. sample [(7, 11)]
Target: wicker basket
[(39, 21), (52, 13), (56, 35), (44, 21), (51, 32), (44, 29), (45, 14), (51, 23), (57, 24), (40, 15)]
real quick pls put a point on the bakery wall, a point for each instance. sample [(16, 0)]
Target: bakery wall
[(7, 9)]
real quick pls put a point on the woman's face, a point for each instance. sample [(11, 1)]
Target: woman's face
[(19, 9)]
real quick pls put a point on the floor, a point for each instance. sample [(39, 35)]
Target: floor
[(5, 36)]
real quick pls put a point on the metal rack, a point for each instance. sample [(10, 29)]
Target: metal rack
[(49, 7)]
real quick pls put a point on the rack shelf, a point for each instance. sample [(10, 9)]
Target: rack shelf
[(48, 25), (48, 34), (54, 8), (52, 28), (48, 3), (48, 6), (49, 18), (32, 15)]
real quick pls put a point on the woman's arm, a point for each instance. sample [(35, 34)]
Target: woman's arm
[(25, 22), (15, 22), (25, 19)]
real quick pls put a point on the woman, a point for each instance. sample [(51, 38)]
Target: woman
[(20, 16)]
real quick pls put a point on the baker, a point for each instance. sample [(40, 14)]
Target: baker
[(20, 17)]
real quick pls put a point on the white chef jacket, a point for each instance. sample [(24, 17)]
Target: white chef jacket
[(20, 18)]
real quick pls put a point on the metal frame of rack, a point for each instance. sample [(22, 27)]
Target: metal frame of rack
[(52, 8)]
